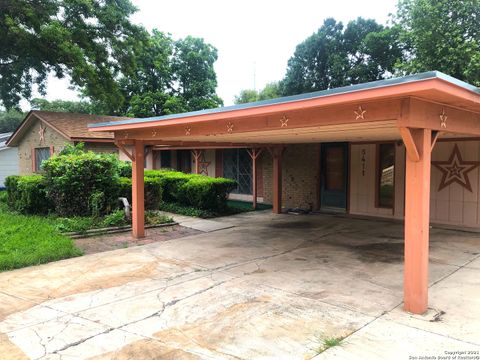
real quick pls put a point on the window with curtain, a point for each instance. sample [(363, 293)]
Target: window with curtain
[(41, 154)]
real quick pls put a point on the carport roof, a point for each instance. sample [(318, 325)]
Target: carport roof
[(430, 75)]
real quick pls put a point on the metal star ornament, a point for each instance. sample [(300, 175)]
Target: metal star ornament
[(284, 121), (188, 131), (230, 127), (443, 119), (360, 113), (41, 133), (455, 170)]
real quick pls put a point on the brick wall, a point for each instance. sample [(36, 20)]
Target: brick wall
[(101, 147), (300, 176), (31, 140)]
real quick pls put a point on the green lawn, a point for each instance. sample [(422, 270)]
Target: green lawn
[(30, 240)]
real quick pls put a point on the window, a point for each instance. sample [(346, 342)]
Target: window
[(184, 161), (165, 159), (385, 175), (40, 155), (237, 165)]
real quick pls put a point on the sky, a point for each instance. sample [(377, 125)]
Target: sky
[(254, 39)]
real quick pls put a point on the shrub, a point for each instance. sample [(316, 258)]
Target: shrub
[(124, 168), (206, 193), (186, 210), (82, 183), (153, 191), (28, 194)]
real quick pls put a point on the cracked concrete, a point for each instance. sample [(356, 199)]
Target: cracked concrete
[(263, 286)]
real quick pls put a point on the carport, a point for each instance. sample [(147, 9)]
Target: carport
[(416, 109)]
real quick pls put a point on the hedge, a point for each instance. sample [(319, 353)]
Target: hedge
[(28, 194), (81, 184), (153, 191)]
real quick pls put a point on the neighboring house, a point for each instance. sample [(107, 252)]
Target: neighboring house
[(43, 133), (8, 159)]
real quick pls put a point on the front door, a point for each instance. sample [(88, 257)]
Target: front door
[(334, 176)]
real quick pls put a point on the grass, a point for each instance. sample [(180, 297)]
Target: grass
[(30, 240), (328, 343)]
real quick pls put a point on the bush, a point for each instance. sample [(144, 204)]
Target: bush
[(82, 183), (124, 168), (206, 193), (28, 194), (153, 191)]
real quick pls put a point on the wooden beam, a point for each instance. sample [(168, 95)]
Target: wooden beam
[(138, 201), (254, 154), (277, 154), (410, 145), (435, 135), (196, 155), (417, 218), (123, 149)]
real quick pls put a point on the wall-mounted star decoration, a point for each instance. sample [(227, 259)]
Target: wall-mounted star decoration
[(154, 133), (443, 119), (455, 170), (41, 133), (203, 164), (284, 121), (188, 131), (125, 135), (360, 113), (230, 127)]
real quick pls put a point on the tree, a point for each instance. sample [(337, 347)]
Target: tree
[(9, 120), (270, 91), (337, 56), (171, 77), (441, 35), (91, 41), (82, 107)]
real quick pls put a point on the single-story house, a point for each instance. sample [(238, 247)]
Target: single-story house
[(402, 148), (8, 159), (43, 133)]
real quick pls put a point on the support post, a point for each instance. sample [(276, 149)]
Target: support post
[(417, 218), (277, 154), (196, 155), (138, 202), (254, 154)]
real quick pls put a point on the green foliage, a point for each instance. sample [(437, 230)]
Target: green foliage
[(270, 91), (441, 35), (90, 41), (156, 218), (171, 77), (152, 195), (9, 120), (81, 184), (83, 223), (186, 210), (206, 193), (124, 168), (82, 107), (28, 194), (31, 240), (337, 56), (70, 149)]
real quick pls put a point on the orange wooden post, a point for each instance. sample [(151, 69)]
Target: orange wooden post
[(417, 218), (277, 153), (138, 205), (254, 154), (196, 155)]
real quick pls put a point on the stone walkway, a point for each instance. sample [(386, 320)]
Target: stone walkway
[(264, 287)]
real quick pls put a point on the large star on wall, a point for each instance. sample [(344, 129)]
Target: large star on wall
[(455, 170)]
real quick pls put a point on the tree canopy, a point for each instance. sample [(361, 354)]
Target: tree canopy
[(91, 41), (270, 91), (441, 35), (82, 107), (337, 56), (9, 120), (171, 77)]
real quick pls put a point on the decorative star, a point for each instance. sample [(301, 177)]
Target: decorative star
[(443, 119), (125, 135), (284, 121), (360, 113), (154, 133), (455, 170), (204, 167), (188, 130), (230, 127), (41, 133)]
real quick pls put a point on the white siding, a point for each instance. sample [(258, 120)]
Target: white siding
[(8, 164)]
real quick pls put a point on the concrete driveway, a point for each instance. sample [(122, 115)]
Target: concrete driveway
[(270, 287)]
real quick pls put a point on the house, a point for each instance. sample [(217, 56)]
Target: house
[(360, 150), (43, 133), (8, 159)]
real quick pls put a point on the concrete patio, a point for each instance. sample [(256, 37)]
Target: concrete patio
[(269, 286)]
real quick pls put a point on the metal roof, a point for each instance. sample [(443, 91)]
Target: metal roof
[(317, 94), (3, 139)]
